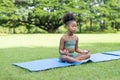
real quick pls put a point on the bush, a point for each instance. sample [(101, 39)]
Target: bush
[(61, 29), (110, 30), (21, 30), (4, 29), (37, 30)]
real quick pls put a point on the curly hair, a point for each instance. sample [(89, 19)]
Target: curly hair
[(68, 17)]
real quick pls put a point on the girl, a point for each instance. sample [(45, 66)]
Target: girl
[(69, 42)]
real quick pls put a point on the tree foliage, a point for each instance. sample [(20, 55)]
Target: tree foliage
[(92, 15)]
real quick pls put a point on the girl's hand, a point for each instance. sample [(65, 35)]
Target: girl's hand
[(66, 52), (85, 51)]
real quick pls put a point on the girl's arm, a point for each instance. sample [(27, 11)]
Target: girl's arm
[(77, 48), (62, 51)]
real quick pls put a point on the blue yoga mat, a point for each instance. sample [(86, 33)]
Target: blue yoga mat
[(45, 64), (115, 53), (99, 57)]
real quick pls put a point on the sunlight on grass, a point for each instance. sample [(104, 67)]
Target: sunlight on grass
[(31, 40), (52, 40)]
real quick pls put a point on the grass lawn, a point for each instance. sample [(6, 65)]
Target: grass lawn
[(28, 47)]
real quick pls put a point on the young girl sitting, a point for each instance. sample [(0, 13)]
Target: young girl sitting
[(69, 42)]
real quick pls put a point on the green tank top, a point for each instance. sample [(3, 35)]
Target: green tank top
[(70, 44)]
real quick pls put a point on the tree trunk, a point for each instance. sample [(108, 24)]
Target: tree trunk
[(28, 30), (80, 28), (52, 30), (102, 25), (14, 32), (117, 26), (90, 24)]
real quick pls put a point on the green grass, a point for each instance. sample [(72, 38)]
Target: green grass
[(20, 48)]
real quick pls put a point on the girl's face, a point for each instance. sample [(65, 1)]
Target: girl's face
[(72, 27)]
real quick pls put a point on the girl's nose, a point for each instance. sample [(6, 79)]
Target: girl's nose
[(75, 27)]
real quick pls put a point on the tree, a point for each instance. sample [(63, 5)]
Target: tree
[(7, 12), (23, 11), (47, 16), (115, 14)]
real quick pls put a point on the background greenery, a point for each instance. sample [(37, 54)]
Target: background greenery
[(21, 48), (43, 16)]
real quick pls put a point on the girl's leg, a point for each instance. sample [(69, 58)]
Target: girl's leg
[(83, 56), (69, 59)]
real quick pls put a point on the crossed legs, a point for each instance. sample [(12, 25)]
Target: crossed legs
[(79, 58)]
